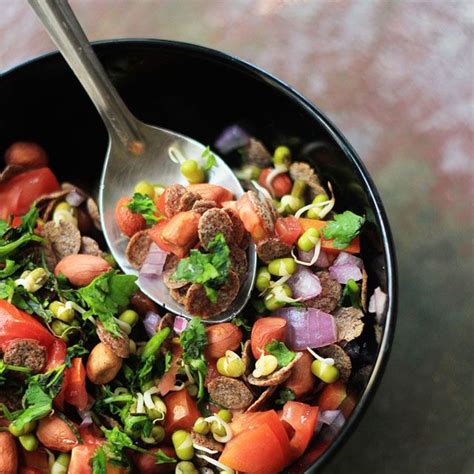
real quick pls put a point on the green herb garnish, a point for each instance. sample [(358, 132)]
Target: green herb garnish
[(144, 205), (281, 352), (210, 159), (343, 229), (285, 395), (351, 294), (105, 295), (208, 269)]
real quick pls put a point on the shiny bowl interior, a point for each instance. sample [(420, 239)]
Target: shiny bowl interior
[(197, 92)]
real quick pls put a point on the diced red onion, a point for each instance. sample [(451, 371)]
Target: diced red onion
[(308, 327), (231, 138), (336, 425), (345, 258), (304, 284), (150, 321), (322, 261), (326, 417), (154, 261), (377, 304), (347, 271), (75, 198), (305, 256), (86, 414), (180, 324)]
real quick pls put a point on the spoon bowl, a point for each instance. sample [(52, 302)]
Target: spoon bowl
[(136, 151)]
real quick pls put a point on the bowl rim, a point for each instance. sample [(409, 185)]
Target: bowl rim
[(370, 188)]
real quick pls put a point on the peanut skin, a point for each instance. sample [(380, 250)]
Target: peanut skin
[(26, 154), (8, 454), (55, 434), (81, 269), (102, 365)]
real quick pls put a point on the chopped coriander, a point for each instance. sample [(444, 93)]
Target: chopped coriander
[(162, 458), (351, 294), (77, 350), (99, 462), (105, 295), (144, 205), (281, 352), (193, 340), (343, 229), (209, 269), (241, 322), (285, 395), (14, 368), (9, 269), (210, 159)]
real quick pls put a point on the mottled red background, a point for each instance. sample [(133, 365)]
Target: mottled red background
[(397, 78)]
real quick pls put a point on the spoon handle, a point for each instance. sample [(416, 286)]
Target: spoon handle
[(66, 32)]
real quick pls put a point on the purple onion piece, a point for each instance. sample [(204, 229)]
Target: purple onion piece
[(231, 138), (345, 272), (377, 304), (304, 284), (150, 321), (180, 324), (75, 198), (308, 327), (346, 258)]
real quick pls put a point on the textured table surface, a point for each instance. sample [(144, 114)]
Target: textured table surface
[(397, 78)]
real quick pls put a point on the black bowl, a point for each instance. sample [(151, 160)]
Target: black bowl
[(197, 91)]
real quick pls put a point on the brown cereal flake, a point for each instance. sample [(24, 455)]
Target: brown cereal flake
[(238, 229), (263, 211), (271, 248), (277, 377), (255, 153), (205, 442), (187, 201), (230, 393), (262, 400), (213, 222), (93, 212), (168, 271), (239, 263), (341, 360), (89, 246), (203, 205), (119, 345), (64, 237), (172, 198), (349, 323), (330, 295), (137, 249)]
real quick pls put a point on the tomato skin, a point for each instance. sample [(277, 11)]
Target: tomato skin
[(181, 413), (221, 338), (211, 192), (301, 380), (145, 463), (212, 372), (18, 193), (75, 384), (168, 380), (281, 184), (250, 219), (302, 418), (16, 324), (127, 221), (288, 229), (34, 462), (264, 331), (155, 234), (181, 232), (255, 450), (332, 396)]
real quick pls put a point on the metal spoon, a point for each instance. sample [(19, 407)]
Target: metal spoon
[(136, 151)]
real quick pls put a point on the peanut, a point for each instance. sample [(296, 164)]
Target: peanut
[(55, 434), (8, 454), (26, 154), (102, 365), (81, 269)]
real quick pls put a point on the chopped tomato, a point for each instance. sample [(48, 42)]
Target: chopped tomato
[(211, 192), (160, 202), (302, 418), (230, 205), (168, 381), (75, 384), (181, 232), (155, 234), (247, 421), (256, 450), (280, 185), (332, 396), (127, 221), (301, 380), (146, 464), (80, 461), (91, 435), (250, 218), (181, 412), (18, 193), (34, 461), (221, 338), (327, 245), (313, 453), (288, 229), (16, 324), (211, 371), (264, 331), (348, 405)]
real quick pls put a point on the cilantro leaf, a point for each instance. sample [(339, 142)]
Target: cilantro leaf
[(105, 295), (285, 395), (99, 462), (193, 340), (208, 269), (351, 294), (281, 352), (241, 322), (162, 458), (343, 228), (14, 368), (210, 159), (8, 247), (77, 350), (144, 205)]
